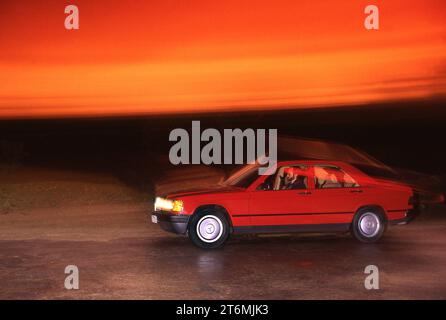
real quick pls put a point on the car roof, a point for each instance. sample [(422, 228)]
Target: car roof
[(312, 162)]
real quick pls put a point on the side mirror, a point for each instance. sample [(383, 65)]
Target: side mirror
[(264, 186)]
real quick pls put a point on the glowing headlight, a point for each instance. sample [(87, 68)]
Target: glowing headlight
[(177, 206), (168, 205)]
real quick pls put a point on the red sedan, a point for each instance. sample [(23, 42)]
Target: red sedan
[(300, 196)]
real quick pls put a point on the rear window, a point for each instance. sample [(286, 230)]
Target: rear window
[(377, 172), (327, 177)]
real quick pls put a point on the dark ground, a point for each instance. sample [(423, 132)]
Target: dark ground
[(79, 191), (151, 264)]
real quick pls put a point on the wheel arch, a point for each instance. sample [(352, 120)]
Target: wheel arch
[(376, 207), (214, 207)]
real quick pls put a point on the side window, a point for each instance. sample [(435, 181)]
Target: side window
[(268, 184), (291, 178), (326, 177), (287, 178)]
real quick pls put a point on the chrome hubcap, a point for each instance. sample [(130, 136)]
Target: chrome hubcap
[(369, 224), (209, 228)]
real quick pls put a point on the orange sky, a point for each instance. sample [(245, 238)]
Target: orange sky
[(133, 57)]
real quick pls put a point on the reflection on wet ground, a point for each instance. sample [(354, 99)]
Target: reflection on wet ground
[(411, 261)]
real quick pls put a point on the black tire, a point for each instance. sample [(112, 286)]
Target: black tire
[(369, 224), (214, 227)]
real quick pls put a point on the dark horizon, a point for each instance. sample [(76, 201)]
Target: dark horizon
[(398, 134)]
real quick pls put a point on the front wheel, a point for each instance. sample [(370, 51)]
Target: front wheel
[(209, 229), (369, 224)]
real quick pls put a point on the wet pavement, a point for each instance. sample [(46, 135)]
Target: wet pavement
[(157, 265)]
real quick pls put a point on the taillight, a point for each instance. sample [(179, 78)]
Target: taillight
[(414, 199)]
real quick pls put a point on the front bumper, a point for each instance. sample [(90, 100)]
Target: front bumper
[(176, 223)]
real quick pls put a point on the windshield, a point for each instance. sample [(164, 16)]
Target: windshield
[(243, 177)]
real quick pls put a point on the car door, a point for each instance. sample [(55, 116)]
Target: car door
[(336, 194), (283, 205)]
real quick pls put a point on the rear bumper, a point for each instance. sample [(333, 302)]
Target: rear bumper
[(176, 223), (410, 216)]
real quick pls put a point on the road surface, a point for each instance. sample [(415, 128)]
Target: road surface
[(121, 255)]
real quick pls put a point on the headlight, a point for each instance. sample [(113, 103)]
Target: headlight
[(168, 205), (177, 206)]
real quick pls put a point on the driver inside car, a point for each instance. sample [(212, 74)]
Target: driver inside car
[(293, 178)]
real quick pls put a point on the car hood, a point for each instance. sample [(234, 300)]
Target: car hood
[(209, 190)]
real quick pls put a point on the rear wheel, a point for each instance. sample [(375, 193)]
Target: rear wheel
[(209, 229), (369, 224)]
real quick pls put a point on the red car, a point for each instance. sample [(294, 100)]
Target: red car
[(300, 196)]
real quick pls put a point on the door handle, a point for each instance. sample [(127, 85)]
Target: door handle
[(356, 191), (304, 193)]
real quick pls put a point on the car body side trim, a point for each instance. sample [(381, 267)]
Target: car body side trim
[(288, 214), (298, 228)]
